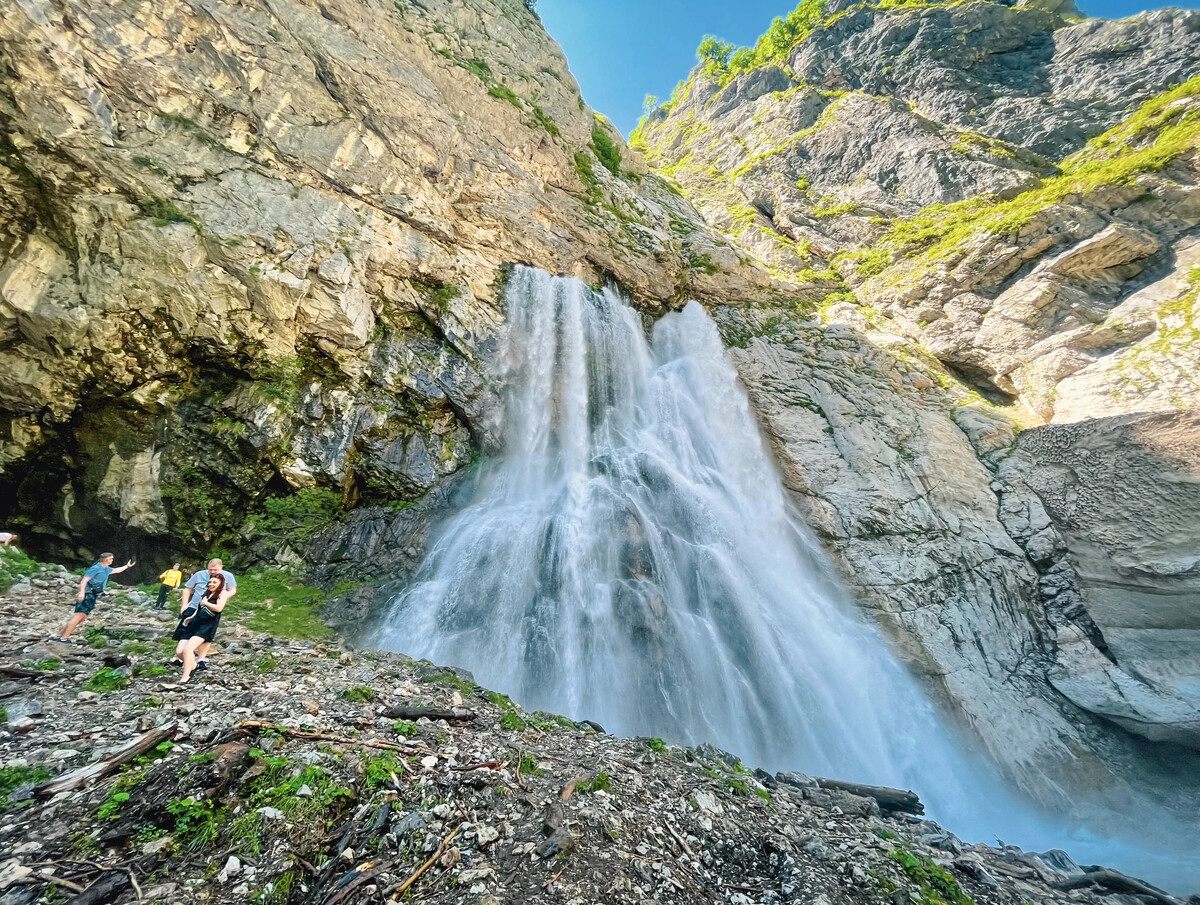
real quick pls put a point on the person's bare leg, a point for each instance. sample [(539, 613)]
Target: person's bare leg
[(73, 623), (189, 657), (179, 649), (203, 649)]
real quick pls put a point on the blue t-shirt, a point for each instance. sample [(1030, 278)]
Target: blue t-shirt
[(97, 576), (199, 583)]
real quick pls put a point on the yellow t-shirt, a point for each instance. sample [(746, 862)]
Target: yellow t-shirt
[(171, 578)]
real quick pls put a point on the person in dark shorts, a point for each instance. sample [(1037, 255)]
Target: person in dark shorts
[(91, 586), (198, 623)]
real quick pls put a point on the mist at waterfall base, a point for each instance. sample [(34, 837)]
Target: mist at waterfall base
[(632, 559)]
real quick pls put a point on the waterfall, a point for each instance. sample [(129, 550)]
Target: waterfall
[(632, 558)]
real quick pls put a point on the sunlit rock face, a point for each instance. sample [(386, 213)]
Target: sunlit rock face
[(247, 249)]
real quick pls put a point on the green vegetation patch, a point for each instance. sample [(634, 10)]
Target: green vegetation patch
[(358, 694), (607, 151), (450, 680), (12, 778), (275, 603), (406, 729), (506, 94), (163, 212), (512, 721), (15, 566), (106, 679), (937, 885), (296, 518), (382, 769), (722, 62), (599, 783), (1163, 129)]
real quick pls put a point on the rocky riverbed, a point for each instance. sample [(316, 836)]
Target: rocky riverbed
[(297, 771)]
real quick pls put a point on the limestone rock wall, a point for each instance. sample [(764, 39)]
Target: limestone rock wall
[(249, 248)]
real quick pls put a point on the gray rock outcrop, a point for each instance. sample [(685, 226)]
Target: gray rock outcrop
[(247, 249)]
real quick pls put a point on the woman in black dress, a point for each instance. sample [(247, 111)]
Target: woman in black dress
[(198, 623)]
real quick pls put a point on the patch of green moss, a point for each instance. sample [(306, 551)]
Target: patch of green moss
[(296, 518), (937, 885), (406, 729), (14, 566), (163, 212), (106, 679), (358, 694), (512, 721), (450, 680), (12, 778), (599, 783), (506, 94), (546, 121)]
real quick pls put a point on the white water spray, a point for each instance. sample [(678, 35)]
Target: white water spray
[(632, 559)]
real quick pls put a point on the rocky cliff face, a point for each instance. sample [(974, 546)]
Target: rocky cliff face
[(251, 249), (996, 208)]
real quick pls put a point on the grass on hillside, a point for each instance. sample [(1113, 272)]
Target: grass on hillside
[(15, 566), (1159, 132), (276, 603)]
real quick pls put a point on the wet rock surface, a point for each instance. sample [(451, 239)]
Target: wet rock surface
[(283, 778)]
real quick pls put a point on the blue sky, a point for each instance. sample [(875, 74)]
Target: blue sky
[(622, 50)]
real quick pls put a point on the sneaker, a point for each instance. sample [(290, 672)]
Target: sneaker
[(201, 665), (175, 661), (60, 639)]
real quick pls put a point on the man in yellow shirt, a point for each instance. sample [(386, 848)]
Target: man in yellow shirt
[(170, 579)]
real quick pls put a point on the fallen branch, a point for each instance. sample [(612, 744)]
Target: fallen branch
[(403, 888), (40, 877), (329, 737), (486, 765), (890, 800), (1117, 882), (550, 882), (360, 879), (412, 712), (682, 842), (92, 772)]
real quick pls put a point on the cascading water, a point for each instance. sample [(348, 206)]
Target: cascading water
[(632, 559)]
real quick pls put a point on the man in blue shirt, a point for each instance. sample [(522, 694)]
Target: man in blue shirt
[(91, 586), (195, 586)]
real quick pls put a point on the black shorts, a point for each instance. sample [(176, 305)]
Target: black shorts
[(88, 603)]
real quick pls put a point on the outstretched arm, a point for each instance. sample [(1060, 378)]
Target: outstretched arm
[(127, 565)]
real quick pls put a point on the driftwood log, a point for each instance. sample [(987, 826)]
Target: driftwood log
[(86, 775), (1116, 882), (891, 801), (407, 712)]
